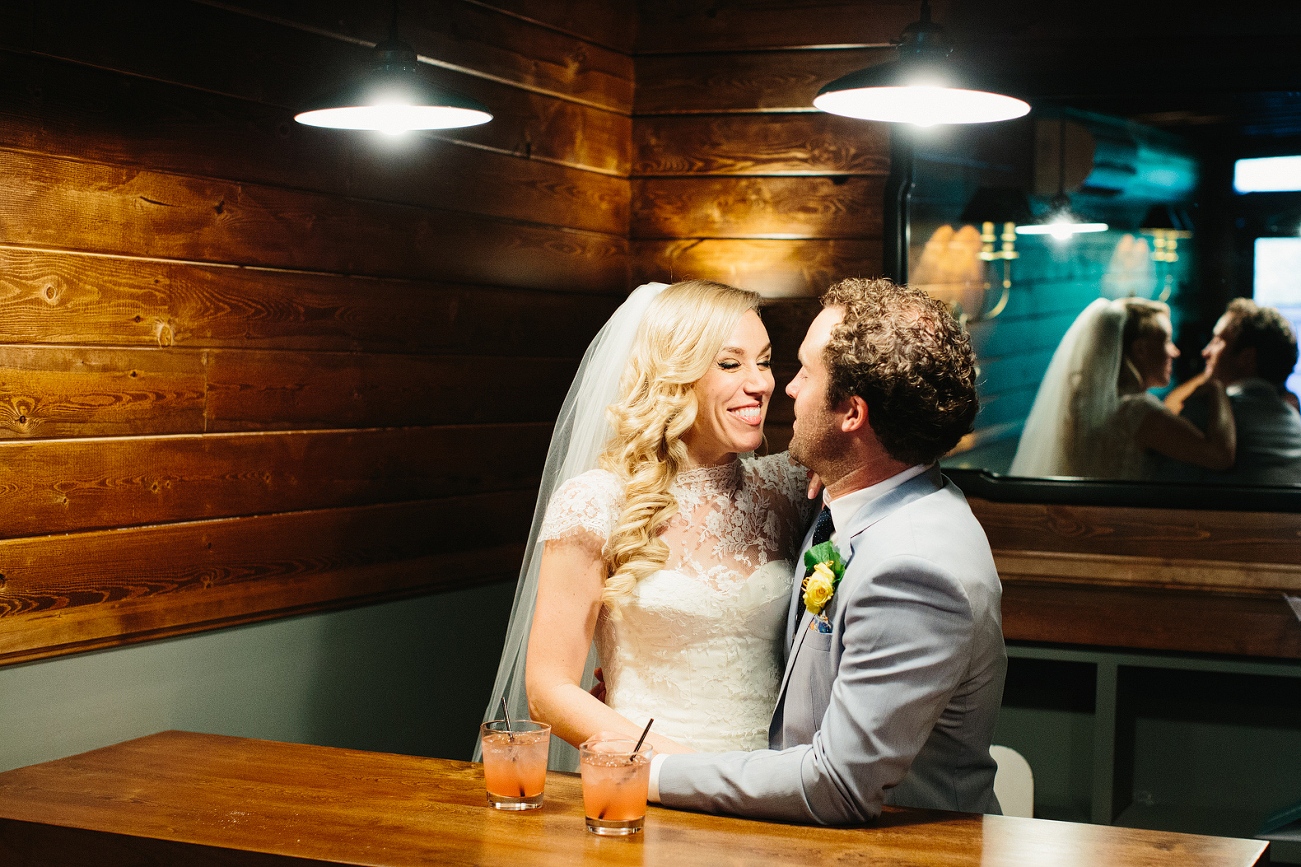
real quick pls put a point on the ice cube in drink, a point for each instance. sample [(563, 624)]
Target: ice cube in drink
[(615, 780), (515, 763)]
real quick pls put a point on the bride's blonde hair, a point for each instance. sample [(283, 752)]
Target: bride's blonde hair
[(677, 341), (1141, 320)]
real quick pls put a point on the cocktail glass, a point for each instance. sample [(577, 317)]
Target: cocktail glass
[(615, 778), (515, 763)]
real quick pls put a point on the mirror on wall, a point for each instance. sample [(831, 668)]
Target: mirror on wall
[(1082, 335)]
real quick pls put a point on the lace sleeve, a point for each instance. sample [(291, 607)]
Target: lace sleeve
[(782, 485), (588, 503), (787, 479)]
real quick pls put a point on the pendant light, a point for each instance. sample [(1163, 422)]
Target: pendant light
[(1060, 221), (393, 97), (921, 86)]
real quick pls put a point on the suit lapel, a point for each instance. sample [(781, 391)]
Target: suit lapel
[(913, 489)]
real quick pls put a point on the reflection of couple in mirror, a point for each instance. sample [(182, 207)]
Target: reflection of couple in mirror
[(1252, 352), (1095, 417)]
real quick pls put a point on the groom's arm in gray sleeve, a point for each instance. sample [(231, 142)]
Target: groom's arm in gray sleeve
[(907, 643)]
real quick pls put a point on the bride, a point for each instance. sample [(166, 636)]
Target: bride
[(675, 553), (1094, 416)]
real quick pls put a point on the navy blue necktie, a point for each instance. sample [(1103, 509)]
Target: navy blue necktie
[(823, 528), (821, 533)]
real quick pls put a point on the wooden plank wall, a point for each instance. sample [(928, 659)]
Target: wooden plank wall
[(250, 368), (736, 177)]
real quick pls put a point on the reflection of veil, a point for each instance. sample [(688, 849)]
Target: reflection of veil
[(580, 434), (1063, 435)]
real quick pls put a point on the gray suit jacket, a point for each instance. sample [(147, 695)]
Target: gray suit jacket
[(898, 702), (1269, 440)]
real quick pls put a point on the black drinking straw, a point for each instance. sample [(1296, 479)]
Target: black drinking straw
[(505, 715), (644, 732)]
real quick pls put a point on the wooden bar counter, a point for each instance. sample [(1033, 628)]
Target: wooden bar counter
[(192, 799)]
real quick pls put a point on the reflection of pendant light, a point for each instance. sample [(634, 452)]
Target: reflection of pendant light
[(1060, 221), (394, 97), (993, 208), (920, 87), (1167, 226)]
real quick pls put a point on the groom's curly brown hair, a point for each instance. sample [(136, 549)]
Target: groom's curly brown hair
[(910, 361)]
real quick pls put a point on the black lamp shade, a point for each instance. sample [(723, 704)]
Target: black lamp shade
[(393, 97)]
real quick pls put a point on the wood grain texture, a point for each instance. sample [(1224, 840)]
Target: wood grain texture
[(79, 392), (42, 104), (813, 143), (495, 43), (177, 797), (672, 26), (1150, 619), (65, 204), (750, 207), (286, 63), (774, 268), (49, 392), (56, 298), (278, 391), (68, 487), (1172, 534), (69, 593), (767, 81), (1156, 579)]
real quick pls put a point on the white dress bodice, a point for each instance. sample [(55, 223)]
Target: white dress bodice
[(699, 646)]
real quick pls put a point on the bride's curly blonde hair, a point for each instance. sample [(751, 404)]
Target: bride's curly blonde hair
[(677, 341)]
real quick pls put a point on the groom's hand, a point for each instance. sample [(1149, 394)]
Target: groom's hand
[(598, 691)]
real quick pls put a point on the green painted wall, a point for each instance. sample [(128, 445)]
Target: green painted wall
[(411, 677)]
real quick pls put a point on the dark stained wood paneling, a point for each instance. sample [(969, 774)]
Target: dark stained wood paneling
[(727, 25), (1253, 537), (278, 391), (1159, 579), (312, 47), (250, 369), (774, 268), (56, 392), (612, 23), (54, 487), (89, 206), (744, 81), (79, 391), (58, 298), (139, 122), (79, 592), (1150, 619), (526, 122), (755, 207), (471, 35), (813, 143)]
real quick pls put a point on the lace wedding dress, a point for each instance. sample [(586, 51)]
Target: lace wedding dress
[(699, 647)]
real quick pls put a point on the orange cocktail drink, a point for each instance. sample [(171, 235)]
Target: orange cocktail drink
[(615, 779), (515, 763)]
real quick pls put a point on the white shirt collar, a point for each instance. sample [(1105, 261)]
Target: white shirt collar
[(844, 507)]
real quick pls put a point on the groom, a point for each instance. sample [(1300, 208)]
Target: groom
[(892, 688)]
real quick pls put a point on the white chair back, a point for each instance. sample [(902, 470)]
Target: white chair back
[(1013, 782)]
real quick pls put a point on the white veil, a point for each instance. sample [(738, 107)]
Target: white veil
[(580, 434), (1063, 435)]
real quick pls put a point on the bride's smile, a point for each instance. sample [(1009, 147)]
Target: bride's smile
[(732, 397)]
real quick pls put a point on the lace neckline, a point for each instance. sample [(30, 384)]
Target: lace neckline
[(710, 481)]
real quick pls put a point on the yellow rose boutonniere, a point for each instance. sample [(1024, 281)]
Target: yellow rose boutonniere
[(825, 570)]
